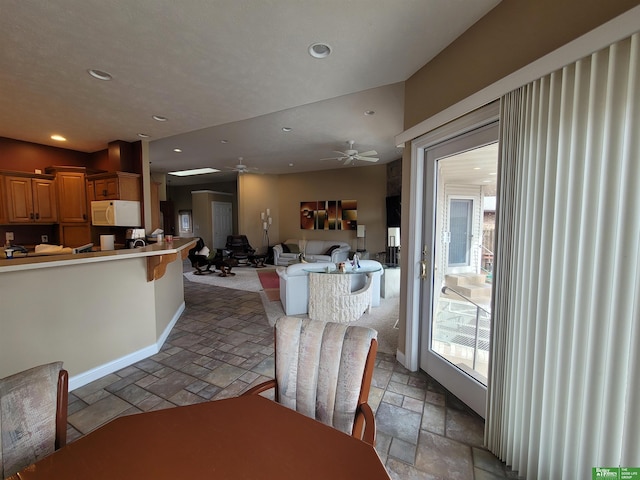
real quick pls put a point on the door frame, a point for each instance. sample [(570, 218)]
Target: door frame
[(462, 385), (413, 222)]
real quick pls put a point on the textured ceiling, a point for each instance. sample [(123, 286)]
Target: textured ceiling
[(235, 70)]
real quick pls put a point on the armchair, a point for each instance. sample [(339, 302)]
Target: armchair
[(239, 248), (33, 416), (199, 256), (324, 370)]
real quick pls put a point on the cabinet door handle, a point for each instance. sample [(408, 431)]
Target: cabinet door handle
[(37, 216), (84, 216), (31, 215)]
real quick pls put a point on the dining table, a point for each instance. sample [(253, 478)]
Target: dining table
[(246, 437)]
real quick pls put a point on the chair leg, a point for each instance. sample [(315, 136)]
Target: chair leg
[(61, 409)]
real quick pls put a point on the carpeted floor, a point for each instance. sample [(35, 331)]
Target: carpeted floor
[(245, 278)]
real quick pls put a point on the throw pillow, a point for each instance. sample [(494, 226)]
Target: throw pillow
[(285, 248), (331, 249), (293, 248)]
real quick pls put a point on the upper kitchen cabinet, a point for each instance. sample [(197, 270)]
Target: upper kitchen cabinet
[(114, 186), (30, 199), (74, 228), (72, 196)]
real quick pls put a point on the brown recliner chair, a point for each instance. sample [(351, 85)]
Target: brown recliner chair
[(239, 248)]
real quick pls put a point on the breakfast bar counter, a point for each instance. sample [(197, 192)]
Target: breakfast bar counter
[(98, 312)]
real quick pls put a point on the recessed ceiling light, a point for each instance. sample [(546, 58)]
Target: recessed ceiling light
[(224, 141), (291, 164), (177, 150), (99, 74), (58, 138), (143, 135), (195, 171), (319, 50), (369, 112), (286, 129), (476, 168), (493, 173), (159, 118)]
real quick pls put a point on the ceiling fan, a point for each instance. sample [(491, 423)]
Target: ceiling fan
[(241, 167), (351, 154)]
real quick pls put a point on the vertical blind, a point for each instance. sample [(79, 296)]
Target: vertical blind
[(564, 394)]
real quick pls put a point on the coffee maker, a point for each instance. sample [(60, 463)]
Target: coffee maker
[(135, 237)]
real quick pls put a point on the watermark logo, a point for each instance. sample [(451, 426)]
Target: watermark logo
[(615, 473)]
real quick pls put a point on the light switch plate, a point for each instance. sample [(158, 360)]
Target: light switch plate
[(44, 238), (8, 236)]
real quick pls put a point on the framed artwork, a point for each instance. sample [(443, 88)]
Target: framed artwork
[(329, 215)]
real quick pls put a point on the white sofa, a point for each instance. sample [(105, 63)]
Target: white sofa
[(314, 250), (294, 284)]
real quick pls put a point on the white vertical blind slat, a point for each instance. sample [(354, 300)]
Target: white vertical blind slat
[(563, 393), (631, 174)]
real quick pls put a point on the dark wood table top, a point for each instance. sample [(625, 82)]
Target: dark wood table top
[(239, 438)]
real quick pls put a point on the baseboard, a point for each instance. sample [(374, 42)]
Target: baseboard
[(400, 357), (89, 376), (163, 337)]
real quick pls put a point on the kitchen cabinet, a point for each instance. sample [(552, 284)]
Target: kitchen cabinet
[(115, 186), (3, 202), (30, 199), (74, 228), (72, 197)]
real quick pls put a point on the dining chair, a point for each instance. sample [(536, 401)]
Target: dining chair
[(323, 370), (33, 416)]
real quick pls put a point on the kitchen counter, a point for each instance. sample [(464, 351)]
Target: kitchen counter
[(36, 261), (98, 312)]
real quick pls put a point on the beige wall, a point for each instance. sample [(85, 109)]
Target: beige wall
[(201, 213), (283, 194), (256, 193), (169, 295), (86, 315), (512, 35), (366, 185)]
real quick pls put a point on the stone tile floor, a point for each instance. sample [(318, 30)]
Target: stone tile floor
[(222, 345)]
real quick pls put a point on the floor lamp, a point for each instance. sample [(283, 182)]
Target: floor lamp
[(265, 218)]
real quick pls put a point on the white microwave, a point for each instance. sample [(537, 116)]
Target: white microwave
[(118, 213)]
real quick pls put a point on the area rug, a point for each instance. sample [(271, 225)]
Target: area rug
[(245, 278), (270, 284)]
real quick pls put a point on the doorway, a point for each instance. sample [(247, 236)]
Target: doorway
[(456, 287)]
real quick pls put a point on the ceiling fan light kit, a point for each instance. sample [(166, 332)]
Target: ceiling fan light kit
[(352, 154)]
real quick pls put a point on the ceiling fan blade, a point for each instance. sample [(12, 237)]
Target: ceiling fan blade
[(349, 160), (368, 159), (342, 154), (332, 158), (368, 154)]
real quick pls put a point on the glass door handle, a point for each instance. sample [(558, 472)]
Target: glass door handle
[(423, 269)]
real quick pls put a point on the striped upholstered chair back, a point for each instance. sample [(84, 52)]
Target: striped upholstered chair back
[(323, 370)]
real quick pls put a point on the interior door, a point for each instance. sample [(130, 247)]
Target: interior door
[(222, 223), (456, 290)]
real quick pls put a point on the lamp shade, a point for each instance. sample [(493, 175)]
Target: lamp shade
[(360, 231), (393, 237)]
